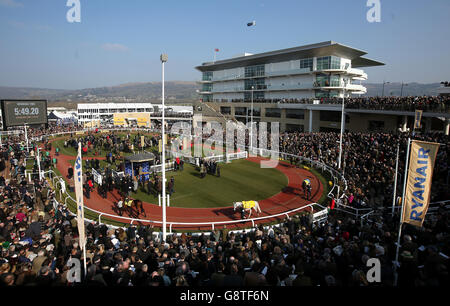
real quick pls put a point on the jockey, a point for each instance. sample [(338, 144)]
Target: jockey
[(307, 188), (305, 183), (248, 204)]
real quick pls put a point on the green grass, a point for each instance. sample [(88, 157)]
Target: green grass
[(239, 180), (190, 175)]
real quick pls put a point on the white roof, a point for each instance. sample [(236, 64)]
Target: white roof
[(64, 115), (181, 108), (113, 105)]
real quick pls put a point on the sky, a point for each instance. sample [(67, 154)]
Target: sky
[(120, 41)]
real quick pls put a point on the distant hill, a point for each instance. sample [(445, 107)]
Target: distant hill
[(176, 92)]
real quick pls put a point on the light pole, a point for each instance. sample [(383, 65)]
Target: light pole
[(26, 136), (38, 157), (251, 123), (163, 59), (401, 91), (342, 125), (383, 87)]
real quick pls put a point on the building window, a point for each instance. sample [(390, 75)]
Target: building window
[(334, 81), (207, 75), (333, 116), (328, 62), (207, 98), (322, 94), (323, 63), (226, 110), (306, 63), (330, 116), (256, 111), (322, 80), (273, 112), (207, 87), (258, 84), (295, 113), (240, 111), (254, 71), (335, 62)]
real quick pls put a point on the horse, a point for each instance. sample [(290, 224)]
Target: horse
[(247, 206)]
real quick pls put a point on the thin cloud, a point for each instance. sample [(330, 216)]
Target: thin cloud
[(10, 3), (115, 47)]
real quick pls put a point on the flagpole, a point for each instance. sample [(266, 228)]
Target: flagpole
[(395, 180), (82, 213), (80, 204), (401, 215), (163, 60)]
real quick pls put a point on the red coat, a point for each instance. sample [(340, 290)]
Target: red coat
[(332, 204)]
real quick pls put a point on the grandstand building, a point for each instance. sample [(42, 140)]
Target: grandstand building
[(277, 82), (97, 114)]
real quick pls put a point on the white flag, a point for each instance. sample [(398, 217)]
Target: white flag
[(79, 196)]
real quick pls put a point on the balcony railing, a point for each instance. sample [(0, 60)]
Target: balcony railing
[(406, 104), (357, 72)]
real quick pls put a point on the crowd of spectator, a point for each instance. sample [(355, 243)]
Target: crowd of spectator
[(440, 104), (368, 162), (38, 235)]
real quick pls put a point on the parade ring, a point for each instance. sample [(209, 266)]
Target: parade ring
[(289, 201)]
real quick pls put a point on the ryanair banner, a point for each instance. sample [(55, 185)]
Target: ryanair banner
[(78, 178), (420, 173), (417, 119)]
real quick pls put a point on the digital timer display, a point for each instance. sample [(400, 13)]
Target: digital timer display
[(20, 112)]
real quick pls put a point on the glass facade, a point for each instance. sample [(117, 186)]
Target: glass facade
[(328, 62), (295, 113), (207, 98), (207, 87), (325, 80), (207, 75), (257, 84), (335, 62), (322, 94), (273, 112), (256, 111), (322, 80), (226, 110), (240, 111), (334, 81), (254, 71), (333, 116), (306, 63)]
